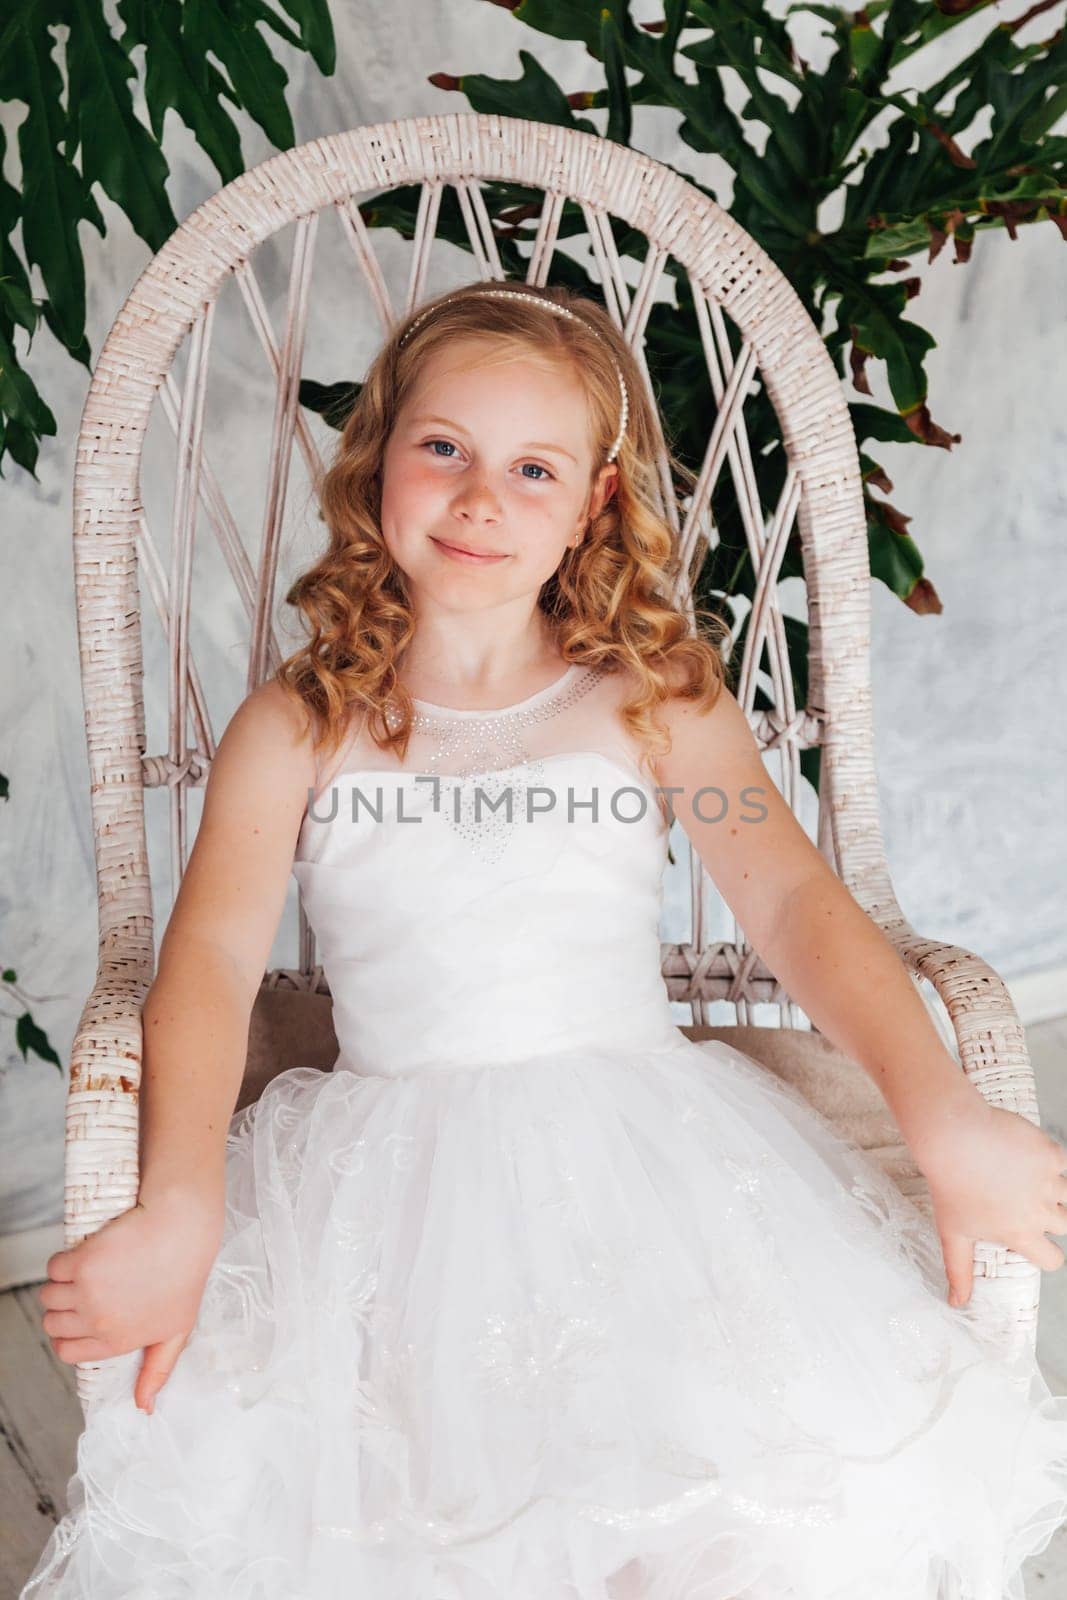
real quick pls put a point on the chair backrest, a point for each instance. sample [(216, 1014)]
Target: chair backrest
[(171, 313)]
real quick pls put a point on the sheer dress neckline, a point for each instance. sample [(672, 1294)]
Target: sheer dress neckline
[(557, 686)]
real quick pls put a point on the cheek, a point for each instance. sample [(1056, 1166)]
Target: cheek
[(405, 497), (542, 549)]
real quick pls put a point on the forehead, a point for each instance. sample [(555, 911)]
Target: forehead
[(481, 367)]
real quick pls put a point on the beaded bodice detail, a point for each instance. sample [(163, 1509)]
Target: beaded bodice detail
[(484, 762), (485, 740), (490, 770), (497, 892)]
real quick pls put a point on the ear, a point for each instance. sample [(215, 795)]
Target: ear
[(607, 481)]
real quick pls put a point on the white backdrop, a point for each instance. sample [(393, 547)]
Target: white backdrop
[(973, 770)]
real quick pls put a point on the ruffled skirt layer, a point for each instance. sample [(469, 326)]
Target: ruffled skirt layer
[(588, 1326)]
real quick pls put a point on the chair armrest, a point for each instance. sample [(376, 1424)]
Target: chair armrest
[(990, 1037), (993, 1053), (989, 1034), (101, 1152)]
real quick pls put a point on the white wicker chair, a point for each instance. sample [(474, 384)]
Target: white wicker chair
[(175, 300)]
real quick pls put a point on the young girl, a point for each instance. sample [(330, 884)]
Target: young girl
[(532, 1298)]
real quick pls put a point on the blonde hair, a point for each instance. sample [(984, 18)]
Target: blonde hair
[(608, 602)]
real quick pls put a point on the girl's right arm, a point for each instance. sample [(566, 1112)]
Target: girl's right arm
[(138, 1281), (216, 947)]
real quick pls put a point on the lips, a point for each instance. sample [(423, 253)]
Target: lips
[(470, 555)]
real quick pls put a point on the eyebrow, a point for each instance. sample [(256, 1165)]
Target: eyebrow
[(556, 449)]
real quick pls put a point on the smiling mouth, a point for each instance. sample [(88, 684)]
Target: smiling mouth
[(472, 555)]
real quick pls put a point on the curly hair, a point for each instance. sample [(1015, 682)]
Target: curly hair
[(608, 604)]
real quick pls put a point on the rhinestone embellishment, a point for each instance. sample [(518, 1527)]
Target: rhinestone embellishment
[(490, 750)]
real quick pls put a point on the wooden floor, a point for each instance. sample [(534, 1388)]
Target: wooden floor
[(41, 1418)]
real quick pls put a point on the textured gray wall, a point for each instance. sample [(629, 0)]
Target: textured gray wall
[(971, 752)]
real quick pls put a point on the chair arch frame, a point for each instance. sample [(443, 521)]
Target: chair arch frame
[(174, 299)]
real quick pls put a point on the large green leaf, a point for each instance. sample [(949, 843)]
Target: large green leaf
[(179, 76), (316, 31), (54, 196), (258, 80), (894, 558), (198, 55), (535, 95), (117, 150)]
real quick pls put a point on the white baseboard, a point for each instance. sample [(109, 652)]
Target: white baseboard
[(23, 1256)]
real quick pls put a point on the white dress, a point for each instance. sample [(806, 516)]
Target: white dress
[(532, 1298)]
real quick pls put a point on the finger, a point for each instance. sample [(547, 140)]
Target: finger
[(958, 1252), (61, 1266), (67, 1325), (1039, 1252), (73, 1350), (159, 1363), (57, 1296)]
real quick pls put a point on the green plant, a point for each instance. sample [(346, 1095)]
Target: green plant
[(89, 133), (838, 211), (94, 118), (28, 1035)]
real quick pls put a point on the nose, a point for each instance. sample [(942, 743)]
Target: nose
[(476, 502)]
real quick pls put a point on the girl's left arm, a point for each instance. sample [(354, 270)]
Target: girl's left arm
[(838, 965)]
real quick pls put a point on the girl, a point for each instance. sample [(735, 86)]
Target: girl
[(532, 1298)]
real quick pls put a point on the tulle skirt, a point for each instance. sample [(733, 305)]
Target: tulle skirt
[(587, 1326)]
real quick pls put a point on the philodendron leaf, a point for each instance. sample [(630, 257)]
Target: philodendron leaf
[(874, 422), (563, 19), (873, 312), (894, 557), (24, 412), (28, 1036), (258, 80), (54, 195), (16, 301), (183, 78), (331, 401), (534, 95), (117, 150), (620, 116), (316, 31)]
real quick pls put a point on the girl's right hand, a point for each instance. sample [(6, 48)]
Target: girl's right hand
[(135, 1283)]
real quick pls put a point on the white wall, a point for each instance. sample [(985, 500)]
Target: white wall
[(967, 704)]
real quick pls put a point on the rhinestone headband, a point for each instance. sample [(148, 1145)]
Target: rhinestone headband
[(557, 310)]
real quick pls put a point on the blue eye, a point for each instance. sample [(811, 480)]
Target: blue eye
[(430, 444)]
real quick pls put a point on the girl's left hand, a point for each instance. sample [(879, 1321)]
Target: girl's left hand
[(994, 1175)]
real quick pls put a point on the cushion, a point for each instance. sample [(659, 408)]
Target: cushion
[(288, 1028)]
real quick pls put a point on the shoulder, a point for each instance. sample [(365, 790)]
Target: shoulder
[(269, 739), (680, 712), (705, 731)]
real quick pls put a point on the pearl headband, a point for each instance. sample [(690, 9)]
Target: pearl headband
[(559, 311)]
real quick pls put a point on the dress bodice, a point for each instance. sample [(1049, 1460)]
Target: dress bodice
[(497, 894)]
